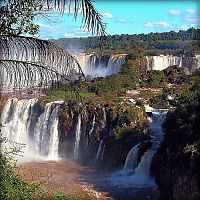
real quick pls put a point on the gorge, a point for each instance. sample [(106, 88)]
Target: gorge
[(39, 132)]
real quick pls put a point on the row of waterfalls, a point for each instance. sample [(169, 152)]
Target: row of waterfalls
[(37, 131), (96, 65), (190, 64)]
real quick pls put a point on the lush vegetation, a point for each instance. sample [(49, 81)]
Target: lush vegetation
[(182, 42), (178, 157), (187, 114), (12, 187)]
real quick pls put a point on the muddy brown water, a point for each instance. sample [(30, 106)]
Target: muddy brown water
[(88, 182)]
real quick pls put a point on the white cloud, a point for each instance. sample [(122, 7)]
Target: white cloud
[(174, 12), (158, 25), (68, 34), (192, 20), (123, 20), (149, 24), (107, 15), (184, 26), (191, 10)]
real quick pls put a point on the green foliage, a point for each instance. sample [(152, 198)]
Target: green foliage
[(17, 17), (66, 95), (155, 78), (153, 43), (128, 116), (186, 117), (62, 196), (11, 186)]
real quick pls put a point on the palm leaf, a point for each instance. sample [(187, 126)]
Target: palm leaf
[(26, 61), (91, 19)]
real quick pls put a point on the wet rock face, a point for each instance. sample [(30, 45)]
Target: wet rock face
[(3, 101), (97, 125), (176, 165), (117, 148)]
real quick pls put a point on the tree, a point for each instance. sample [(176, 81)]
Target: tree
[(19, 14), (26, 61), (17, 18)]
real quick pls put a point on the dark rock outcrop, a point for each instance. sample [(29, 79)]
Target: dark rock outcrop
[(176, 165)]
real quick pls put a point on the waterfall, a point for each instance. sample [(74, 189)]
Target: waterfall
[(131, 160), (40, 141), (78, 137), (54, 138), (190, 64), (115, 62), (104, 118), (101, 147), (41, 131), (15, 121), (138, 174), (99, 155), (92, 128), (162, 62), (95, 65), (143, 169)]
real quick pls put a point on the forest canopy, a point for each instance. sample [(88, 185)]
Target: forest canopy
[(181, 42)]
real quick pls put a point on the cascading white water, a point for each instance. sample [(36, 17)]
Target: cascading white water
[(54, 138), (141, 176), (115, 62), (161, 62), (16, 120), (99, 155), (92, 128), (41, 131), (101, 148), (104, 117), (95, 65), (131, 160), (77, 139)]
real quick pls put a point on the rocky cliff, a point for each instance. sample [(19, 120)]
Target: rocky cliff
[(176, 165)]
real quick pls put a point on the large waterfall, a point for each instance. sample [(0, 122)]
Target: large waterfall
[(39, 141), (161, 62), (95, 65), (36, 129)]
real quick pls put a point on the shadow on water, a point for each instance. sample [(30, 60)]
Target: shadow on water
[(117, 185)]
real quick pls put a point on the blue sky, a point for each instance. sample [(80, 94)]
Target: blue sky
[(127, 17)]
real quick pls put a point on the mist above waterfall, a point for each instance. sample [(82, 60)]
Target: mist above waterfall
[(39, 142), (95, 65)]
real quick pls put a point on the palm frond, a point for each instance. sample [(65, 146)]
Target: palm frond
[(91, 19), (26, 61)]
